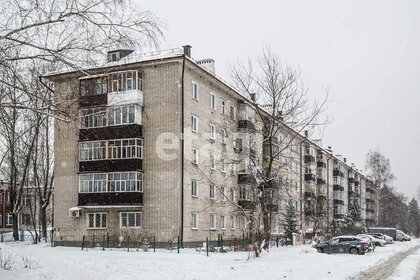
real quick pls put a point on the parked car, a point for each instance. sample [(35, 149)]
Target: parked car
[(344, 244), (382, 236), (376, 241), (401, 236), (371, 244)]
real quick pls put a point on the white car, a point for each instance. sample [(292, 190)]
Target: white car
[(401, 236), (376, 241)]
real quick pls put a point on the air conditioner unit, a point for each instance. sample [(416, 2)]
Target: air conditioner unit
[(74, 212)]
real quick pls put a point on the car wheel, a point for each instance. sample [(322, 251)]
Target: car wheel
[(354, 251), (320, 250)]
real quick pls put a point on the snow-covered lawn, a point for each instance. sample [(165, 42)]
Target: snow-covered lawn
[(408, 268), (301, 262)]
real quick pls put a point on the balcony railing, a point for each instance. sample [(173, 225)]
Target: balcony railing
[(338, 197), (338, 173), (110, 198), (310, 177)]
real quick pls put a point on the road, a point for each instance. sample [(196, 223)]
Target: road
[(386, 269)]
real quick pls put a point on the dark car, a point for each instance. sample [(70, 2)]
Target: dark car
[(344, 244)]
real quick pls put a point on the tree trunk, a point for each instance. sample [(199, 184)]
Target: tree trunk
[(267, 229), (15, 227), (43, 217)]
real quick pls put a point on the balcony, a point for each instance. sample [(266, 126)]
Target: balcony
[(321, 181), (310, 189), (111, 165), (337, 185), (125, 97), (310, 177), (273, 207), (338, 197), (246, 179), (370, 197), (246, 204), (338, 173), (93, 100), (322, 191), (111, 132), (246, 125), (370, 207), (338, 216), (309, 158), (110, 199)]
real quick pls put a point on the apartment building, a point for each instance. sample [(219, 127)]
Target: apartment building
[(162, 150)]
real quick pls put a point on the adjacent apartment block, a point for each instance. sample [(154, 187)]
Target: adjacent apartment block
[(157, 152)]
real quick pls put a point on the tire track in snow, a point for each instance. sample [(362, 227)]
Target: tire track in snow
[(385, 269)]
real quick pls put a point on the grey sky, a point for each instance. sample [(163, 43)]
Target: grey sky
[(366, 52)]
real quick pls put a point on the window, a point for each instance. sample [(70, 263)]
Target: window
[(125, 182), (232, 168), (117, 149), (241, 222), (223, 165), (222, 222), (243, 193), (25, 219), (222, 109), (93, 86), (232, 112), (232, 222), (194, 188), (212, 132), (123, 81), (26, 201), (232, 195), (194, 124), (223, 136), (212, 191), (194, 90), (121, 115), (212, 101), (194, 155), (212, 221), (111, 182), (222, 193), (130, 219), (212, 161), (129, 114), (9, 219), (93, 118), (96, 220), (194, 220)]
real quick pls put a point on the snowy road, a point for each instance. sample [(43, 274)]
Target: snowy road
[(300, 262), (402, 265)]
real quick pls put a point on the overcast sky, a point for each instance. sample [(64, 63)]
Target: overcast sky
[(366, 52)]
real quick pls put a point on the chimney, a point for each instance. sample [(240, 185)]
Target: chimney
[(306, 133), (187, 50), (345, 160), (280, 115), (207, 64)]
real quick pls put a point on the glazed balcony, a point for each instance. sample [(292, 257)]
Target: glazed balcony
[(338, 173), (111, 165), (246, 179), (246, 204), (245, 125), (338, 197), (310, 177), (110, 199)]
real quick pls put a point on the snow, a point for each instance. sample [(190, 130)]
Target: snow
[(407, 268), (299, 262)]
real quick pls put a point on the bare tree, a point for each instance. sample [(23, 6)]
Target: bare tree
[(284, 111)]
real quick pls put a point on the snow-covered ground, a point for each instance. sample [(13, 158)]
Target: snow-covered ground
[(300, 262), (408, 268)]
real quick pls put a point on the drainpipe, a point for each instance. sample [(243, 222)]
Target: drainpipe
[(328, 189), (181, 230), (301, 185)]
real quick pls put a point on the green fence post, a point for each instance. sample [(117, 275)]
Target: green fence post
[(103, 242), (277, 241), (107, 239), (207, 246), (221, 244), (128, 243), (154, 243), (243, 240), (93, 241), (83, 242), (178, 244)]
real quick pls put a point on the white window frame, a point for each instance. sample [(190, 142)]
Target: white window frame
[(94, 220), (241, 222), (212, 132), (232, 222), (223, 136), (9, 219), (232, 195), (213, 101), (194, 188), (222, 193), (222, 222), (213, 222), (222, 106), (234, 112), (212, 191), (127, 219), (194, 124), (194, 220), (195, 90), (232, 168), (212, 161), (223, 165), (194, 155)]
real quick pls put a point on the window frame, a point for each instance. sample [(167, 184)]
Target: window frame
[(102, 214), (195, 90), (194, 188), (194, 156), (194, 220), (212, 132), (128, 219), (213, 101), (194, 123), (212, 192), (213, 222)]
